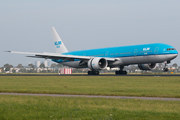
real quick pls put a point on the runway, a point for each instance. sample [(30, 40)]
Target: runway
[(88, 75), (95, 96)]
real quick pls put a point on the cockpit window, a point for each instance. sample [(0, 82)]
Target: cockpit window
[(171, 49)]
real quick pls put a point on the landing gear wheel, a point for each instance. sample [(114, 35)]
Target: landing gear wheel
[(93, 72), (165, 69), (121, 73)]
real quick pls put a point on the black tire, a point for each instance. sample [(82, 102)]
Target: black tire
[(125, 72), (93, 72), (117, 73), (121, 72), (89, 72), (96, 72), (165, 69)]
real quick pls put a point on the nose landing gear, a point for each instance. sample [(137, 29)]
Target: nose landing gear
[(165, 69)]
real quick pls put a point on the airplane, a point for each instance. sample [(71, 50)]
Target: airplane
[(146, 56)]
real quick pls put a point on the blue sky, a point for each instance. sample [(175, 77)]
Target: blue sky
[(25, 25)]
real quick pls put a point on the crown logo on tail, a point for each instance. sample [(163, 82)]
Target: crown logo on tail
[(57, 44)]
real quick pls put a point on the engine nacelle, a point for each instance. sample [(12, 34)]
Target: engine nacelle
[(149, 66), (97, 63)]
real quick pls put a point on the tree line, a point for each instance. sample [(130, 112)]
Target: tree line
[(54, 68), (32, 68)]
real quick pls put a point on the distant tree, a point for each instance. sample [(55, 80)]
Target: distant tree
[(43, 71), (42, 65), (179, 68), (175, 65), (23, 70), (53, 65), (13, 71), (20, 66), (59, 65), (30, 71), (133, 68), (7, 67), (2, 69), (31, 65)]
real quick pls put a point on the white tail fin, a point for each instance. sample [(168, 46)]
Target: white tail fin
[(59, 45)]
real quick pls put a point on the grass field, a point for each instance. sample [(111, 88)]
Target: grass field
[(53, 108), (93, 85)]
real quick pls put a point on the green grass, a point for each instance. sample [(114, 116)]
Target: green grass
[(93, 85), (53, 108)]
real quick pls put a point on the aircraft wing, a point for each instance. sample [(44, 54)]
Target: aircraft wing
[(59, 56)]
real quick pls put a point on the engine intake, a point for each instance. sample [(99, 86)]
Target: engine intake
[(97, 63), (149, 66)]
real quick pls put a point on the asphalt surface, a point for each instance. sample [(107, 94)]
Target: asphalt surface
[(95, 96), (88, 75)]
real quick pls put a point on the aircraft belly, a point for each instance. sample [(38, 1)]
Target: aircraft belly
[(158, 58), (144, 59), (141, 59), (153, 58), (74, 64), (171, 56), (128, 60), (115, 63)]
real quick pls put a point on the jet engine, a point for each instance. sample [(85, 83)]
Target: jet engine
[(97, 63), (149, 66)]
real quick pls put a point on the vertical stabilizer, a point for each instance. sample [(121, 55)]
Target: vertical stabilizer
[(59, 45)]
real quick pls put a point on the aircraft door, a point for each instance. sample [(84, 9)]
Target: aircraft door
[(135, 60), (135, 52), (156, 50), (107, 54)]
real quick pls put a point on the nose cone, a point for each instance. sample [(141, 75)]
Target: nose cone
[(172, 56), (175, 52), (176, 55)]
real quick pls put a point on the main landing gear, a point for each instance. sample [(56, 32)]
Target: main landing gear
[(121, 72), (93, 72)]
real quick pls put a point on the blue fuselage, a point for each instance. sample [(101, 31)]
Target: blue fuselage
[(126, 51)]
